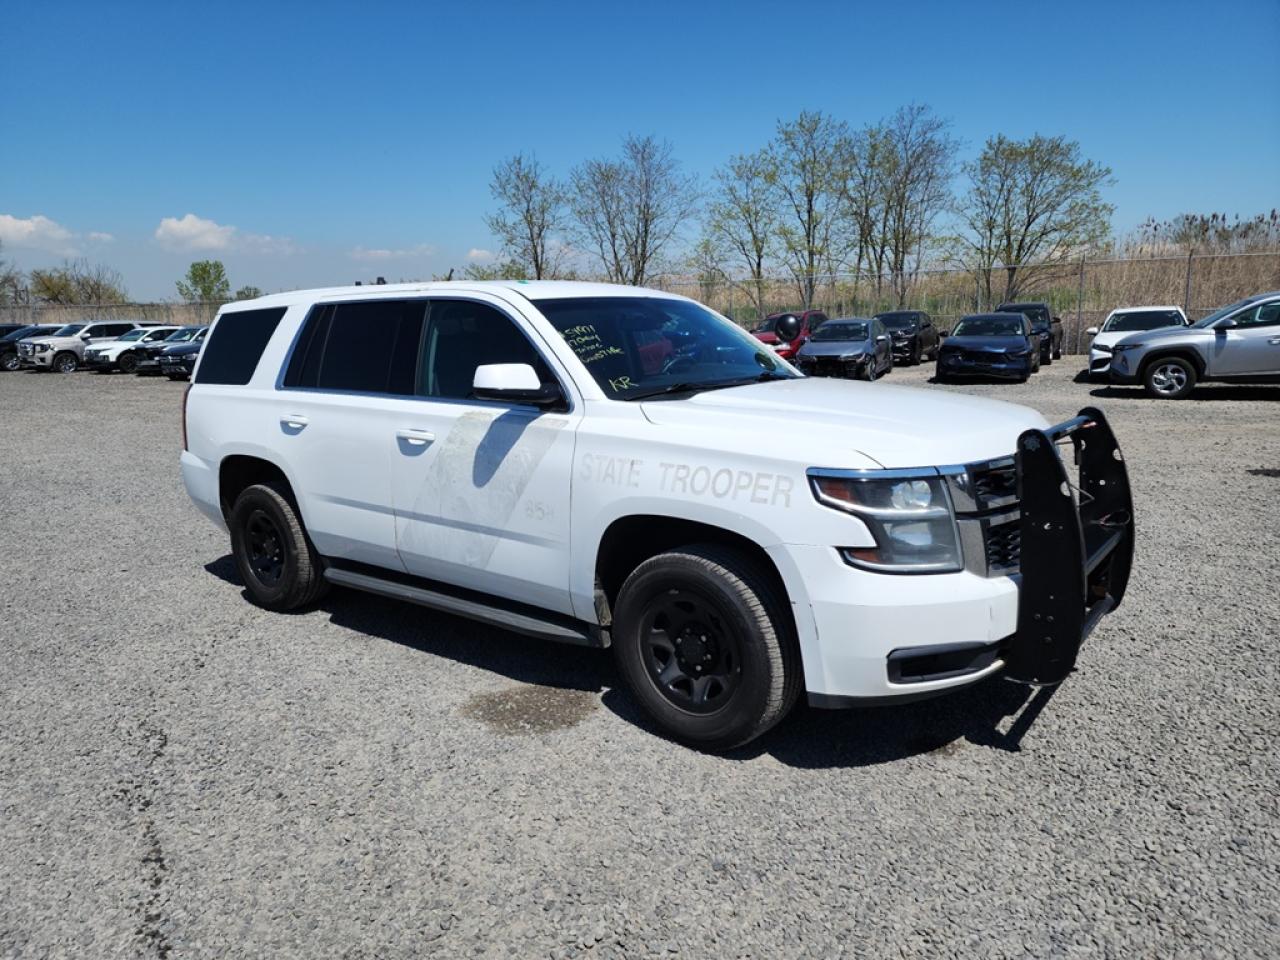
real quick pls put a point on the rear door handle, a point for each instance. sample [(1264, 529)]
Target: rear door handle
[(414, 437), (294, 421)]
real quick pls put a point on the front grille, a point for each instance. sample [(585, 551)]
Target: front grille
[(1003, 544), (995, 485), (981, 356)]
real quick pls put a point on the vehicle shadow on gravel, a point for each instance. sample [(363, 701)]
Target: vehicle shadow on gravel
[(1207, 391), (808, 738)]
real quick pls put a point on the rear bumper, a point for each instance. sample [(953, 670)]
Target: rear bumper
[(201, 480)]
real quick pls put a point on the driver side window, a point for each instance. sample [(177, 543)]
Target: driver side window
[(1259, 315), (463, 335)]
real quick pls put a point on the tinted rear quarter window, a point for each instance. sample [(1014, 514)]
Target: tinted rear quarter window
[(233, 352)]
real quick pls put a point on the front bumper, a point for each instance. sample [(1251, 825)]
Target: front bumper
[(177, 366), (1099, 362), (903, 349), (147, 364), (853, 366), (36, 360), (93, 361), (1045, 560), (954, 366)]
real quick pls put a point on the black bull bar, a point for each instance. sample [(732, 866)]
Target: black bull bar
[(1076, 544)]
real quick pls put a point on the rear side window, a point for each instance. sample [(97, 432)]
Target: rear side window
[(365, 347), (236, 346)]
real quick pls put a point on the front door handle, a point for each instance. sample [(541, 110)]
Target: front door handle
[(414, 437), (294, 421)]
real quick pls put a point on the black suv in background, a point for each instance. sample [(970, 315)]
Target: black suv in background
[(149, 353), (914, 336), (9, 342), (1043, 324)]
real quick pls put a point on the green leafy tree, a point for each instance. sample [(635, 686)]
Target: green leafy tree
[(206, 282), (1034, 201), (247, 293), (78, 282), (742, 222)]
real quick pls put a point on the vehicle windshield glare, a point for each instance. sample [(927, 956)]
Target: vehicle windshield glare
[(988, 327), (1135, 320), (1222, 312), (635, 347), (182, 335), (898, 321), (70, 330), (842, 330), (137, 334)]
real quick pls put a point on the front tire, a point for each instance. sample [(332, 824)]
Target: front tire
[(128, 363), (1169, 378), (65, 362), (276, 559), (10, 362), (703, 641)]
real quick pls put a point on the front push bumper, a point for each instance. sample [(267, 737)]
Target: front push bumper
[(1048, 552)]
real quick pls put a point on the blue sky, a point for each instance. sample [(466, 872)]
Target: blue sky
[(315, 143)]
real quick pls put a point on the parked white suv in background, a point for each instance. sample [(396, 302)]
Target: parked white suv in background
[(63, 350), (612, 466), (1119, 324), (119, 354)]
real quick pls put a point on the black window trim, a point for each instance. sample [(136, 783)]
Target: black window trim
[(548, 357)]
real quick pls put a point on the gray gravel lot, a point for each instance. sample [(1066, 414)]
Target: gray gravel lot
[(185, 775)]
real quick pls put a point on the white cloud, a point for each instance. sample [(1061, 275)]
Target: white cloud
[(478, 255), (196, 233), (383, 253), (37, 233), (97, 236)]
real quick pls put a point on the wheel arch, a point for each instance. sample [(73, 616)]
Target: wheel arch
[(1188, 353), (239, 470)]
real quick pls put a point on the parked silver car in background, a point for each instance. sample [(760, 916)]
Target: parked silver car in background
[(1122, 322), (1240, 342)]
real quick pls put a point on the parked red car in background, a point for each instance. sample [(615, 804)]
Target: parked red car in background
[(787, 332)]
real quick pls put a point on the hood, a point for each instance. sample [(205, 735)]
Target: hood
[(49, 340), (990, 344), (834, 348), (842, 423), (182, 349), (1160, 333), (765, 336)]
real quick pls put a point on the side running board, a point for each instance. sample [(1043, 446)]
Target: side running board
[(530, 623)]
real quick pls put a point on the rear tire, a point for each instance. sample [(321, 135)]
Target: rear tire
[(276, 559), (704, 643), (1169, 378)]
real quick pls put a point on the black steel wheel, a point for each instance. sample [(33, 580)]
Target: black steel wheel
[(276, 559), (128, 362), (705, 644)]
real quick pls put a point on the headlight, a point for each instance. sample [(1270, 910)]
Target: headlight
[(41, 347), (1100, 347), (1122, 347), (1018, 354), (909, 516)]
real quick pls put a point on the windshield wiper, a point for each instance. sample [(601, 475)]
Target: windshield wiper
[(684, 387)]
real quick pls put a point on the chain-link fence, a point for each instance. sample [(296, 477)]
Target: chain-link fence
[(1082, 292)]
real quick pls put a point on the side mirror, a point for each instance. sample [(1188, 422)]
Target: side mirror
[(1226, 323), (85, 337), (1091, 331), (882, 338), (943, 334), (513, 383)]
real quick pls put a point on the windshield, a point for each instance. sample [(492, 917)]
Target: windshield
[(770, 324), (153, 334), (842, 330), (1219, 314), (134, 334), (70, 330), (1037, 313), (640, 346), (183, 335), (1133, 320), (22, 333), (988, 327), (898, 321)]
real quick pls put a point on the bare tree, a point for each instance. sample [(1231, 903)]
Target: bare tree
[(917, 165), (78, 282), (532, 209), (806, 164), (13, 284), (627, 211), (743, 218), (1034, 201)]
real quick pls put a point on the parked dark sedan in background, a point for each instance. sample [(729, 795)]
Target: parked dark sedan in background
[(149, 353), (9, 342), (1043, 324), (915, 338), (990, 345), (177, 362), (847, 347)]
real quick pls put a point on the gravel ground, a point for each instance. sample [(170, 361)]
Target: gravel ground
[(184, 775)]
